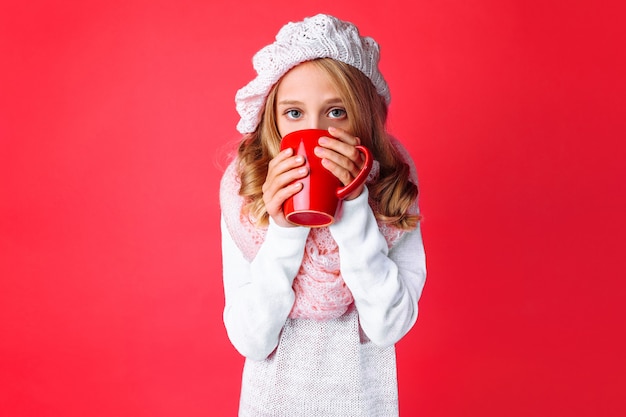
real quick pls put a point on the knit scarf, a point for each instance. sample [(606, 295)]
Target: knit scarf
[(320, 292)]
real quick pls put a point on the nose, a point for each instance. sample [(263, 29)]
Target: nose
[(319, 123)]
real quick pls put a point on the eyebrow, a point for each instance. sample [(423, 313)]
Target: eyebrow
[(334, 100), (289, 102)]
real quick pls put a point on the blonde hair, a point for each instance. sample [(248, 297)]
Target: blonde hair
[(392, 194)]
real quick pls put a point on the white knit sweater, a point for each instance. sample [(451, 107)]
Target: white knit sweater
[(341, 367)]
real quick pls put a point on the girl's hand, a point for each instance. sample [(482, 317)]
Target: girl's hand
[(341, 157), (281, 172)]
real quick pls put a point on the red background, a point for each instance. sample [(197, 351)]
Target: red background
[(117, 117)]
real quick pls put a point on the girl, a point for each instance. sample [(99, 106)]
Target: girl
[(317, 311)]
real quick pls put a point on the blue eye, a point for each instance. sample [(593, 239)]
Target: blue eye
[(337, 113), (293, 114)]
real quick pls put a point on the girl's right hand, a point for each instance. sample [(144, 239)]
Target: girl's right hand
[(281, 183)]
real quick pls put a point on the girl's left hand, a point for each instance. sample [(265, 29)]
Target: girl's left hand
[(341, 157)]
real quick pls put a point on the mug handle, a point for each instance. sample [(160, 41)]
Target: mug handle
[(346, 190)]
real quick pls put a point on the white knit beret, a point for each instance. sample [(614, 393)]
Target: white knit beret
[(320, 36)]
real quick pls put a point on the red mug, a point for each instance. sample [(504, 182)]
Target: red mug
[(317, 204)]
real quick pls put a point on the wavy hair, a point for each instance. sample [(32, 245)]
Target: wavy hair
[(392, 194)]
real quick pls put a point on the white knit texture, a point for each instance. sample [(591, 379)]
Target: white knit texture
[(322, 369), (320, 36)]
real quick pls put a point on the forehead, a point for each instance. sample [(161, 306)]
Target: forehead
[(306, 80)]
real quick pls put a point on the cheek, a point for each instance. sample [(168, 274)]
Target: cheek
[(343, 125), (346, 125), (281, 129), (284, 128)]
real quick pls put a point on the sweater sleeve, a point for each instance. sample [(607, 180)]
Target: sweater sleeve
[(259, 294), (386, 284)]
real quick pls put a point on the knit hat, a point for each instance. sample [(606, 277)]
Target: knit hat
[(320, 36)]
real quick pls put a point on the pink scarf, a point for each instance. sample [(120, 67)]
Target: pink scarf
[(321, 293)]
